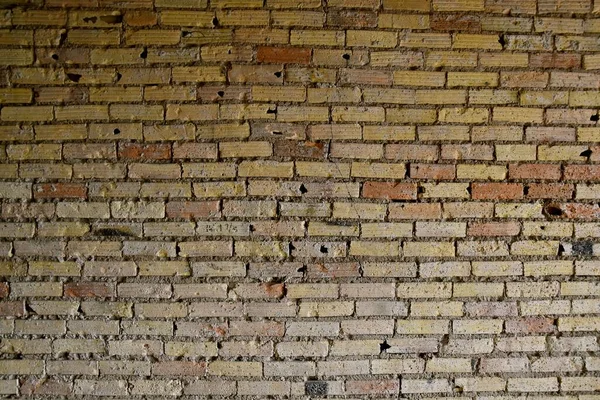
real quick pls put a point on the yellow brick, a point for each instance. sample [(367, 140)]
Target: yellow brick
[(441, 96), (152, 37), (588, 134), (16, 57), (374, 249), (192, 112), (438, 59), (464, 115), (386, 229), (359, 210), (49, 268), (322, 170), (324, 229), (419, 78), (481, 172), (425, 40), (515, 152), (475, 41), (561, 153), (33, 113), (408, 115), (300, 114), (518, 114), (398, 21), (391, 133), (377, 39), (266, 169), (58, 229), (198, 74), (358, 114), (393, 96), (295, 18), (445, 190), (44, 151), (378, 170), (94, 37), (245, 149), (443, 132), (278, 93), (15, 95), (9, 37), (317, 38), (334, 132), (243, 17), (546, 268), (79, 113), (472, 79), (136, 112), (428, 249), (116, 94), (169, 93), (491, 60), (334, 95), (223, 131), (458, 5)]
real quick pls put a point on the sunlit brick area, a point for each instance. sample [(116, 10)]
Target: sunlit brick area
[(300, 199)]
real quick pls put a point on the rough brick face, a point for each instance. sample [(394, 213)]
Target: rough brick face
[(299, 199)]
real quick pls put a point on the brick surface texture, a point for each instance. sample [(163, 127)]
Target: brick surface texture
[(300, 199)]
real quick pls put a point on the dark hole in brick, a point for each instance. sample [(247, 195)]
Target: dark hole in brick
[(561, 250), (221, 93), (111, 232), (62, 39), (112, 19), (116, 131), (583, 248), (302, 269), (502, 40), (469, 189), (144, 53), (277, 133), (525, 190), (251, 228), (420, 189), (54, 56), (553, 210), (74, 77), (215, 21), (119, 76), (595, 117), (186, 34), (292, 247), (346, 56), (384, 346), (324, 249), (316, 388), (274, 111), (278, 74), (586, 153), (303, 188)]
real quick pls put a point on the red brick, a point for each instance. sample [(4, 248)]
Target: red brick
[(497, 191), (582, 172), (89, 289), (455, 22), (60, 191), (549, 190), (274, 290), (494, 229), (141, 18), (415, 211), (192, 209), (45, 386), (4, 290), (195, 150), (530, 325), (333, 270), (390, 190), (282, 55), (135, 151), (534, 171), (296, 149), (433, 171), (573, 210), (12, 309), (555, 60)]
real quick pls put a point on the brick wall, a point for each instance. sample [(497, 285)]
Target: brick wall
[(351, 198)]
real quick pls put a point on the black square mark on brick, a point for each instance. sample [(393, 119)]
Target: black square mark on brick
[(583, 248), (316, 388)]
